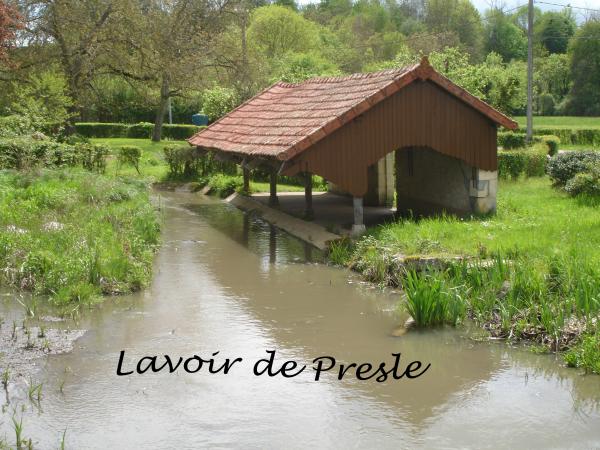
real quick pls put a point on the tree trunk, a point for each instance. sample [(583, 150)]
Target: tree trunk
[(162, 109)]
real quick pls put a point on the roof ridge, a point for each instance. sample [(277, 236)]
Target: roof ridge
[(353, 76)]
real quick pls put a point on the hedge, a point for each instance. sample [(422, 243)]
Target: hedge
[(530, 162), (568, 136), (141, 130), (510, 140)]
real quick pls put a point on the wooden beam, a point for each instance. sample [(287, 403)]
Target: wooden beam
[(246, 173), (273, 200), (309, 213)]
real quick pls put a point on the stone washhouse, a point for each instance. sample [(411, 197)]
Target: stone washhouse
[(409, 132)]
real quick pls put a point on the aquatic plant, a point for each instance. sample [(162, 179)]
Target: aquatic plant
[(585, 355)]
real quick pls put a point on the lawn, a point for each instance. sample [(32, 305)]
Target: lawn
[(533, 219), (561, 122), (152, 163)]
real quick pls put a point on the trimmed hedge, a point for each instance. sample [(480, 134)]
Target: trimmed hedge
[(568, 136), (530, 162), (141, 130), (509, 140)]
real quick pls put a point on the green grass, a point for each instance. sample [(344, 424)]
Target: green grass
[(533, 219), (152, 163), (561, 122), (73, 235)]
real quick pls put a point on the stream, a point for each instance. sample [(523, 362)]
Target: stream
[(228, 282)]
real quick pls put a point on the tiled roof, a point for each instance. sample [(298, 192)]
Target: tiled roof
[(287, 118)]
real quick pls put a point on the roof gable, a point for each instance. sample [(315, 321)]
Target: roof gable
[(286, 119)]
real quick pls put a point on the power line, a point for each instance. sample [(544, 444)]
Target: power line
[(568, 5)]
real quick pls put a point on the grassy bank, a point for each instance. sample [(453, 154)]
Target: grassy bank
[(561, 122), (73, 235), (532, 271)]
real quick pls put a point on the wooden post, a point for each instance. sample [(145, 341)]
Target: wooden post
[(273, 200), (359, 226), (309, 213), (246, 173)]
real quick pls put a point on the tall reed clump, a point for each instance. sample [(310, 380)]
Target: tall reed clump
[(73, 236), (431, 300)]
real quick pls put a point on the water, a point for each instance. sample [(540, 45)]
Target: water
[(230, 283)]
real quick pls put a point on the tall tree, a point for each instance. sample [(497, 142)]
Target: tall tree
[(554, 30), (584, 98), (170, 46), (504, 37)]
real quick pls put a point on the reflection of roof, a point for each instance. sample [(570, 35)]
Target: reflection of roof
[(286, 119)]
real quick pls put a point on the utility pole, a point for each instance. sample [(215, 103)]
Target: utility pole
[(530, 71), (170, 113)]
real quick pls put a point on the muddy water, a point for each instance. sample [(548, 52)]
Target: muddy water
[(230, 283)]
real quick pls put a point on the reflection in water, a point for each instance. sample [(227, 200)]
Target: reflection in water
[(228, 281)]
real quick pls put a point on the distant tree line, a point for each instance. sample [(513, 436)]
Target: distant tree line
[(126, 60)]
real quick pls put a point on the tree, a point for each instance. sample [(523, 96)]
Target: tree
[(584, 97), (554, 30), (276, 30), (504, 37), (82, 35), (218, 101), (10, 23), (459, 17), (173, 47), (297, 67)]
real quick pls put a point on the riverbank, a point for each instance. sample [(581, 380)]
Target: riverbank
[(530, 273), (73, 235)]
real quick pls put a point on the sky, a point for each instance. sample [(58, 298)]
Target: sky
[(482, 5)]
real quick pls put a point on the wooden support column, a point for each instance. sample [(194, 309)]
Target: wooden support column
[(246, 173), (309, 213), (273, 200), (359, 226)]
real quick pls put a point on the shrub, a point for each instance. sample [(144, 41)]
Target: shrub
[(218, 101), (552, 142), (26, 153), (102, 130), (582, 136), (15, 125), (564, 166), (586, 354), (510, 140), (225, 185), (530, 162), (179, 132), (586, 183), (142, 130), (93, 156), (183, 160), (130, 154)]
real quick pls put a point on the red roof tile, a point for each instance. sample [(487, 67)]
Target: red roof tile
[(287, 118)]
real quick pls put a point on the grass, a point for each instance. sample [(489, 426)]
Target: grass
[(531, 272), (152, 164), (585, 354), (533, 219), (154, 168), (561, 122), (73, 235)]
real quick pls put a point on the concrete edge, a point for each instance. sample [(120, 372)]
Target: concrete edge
[(309, 232)]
